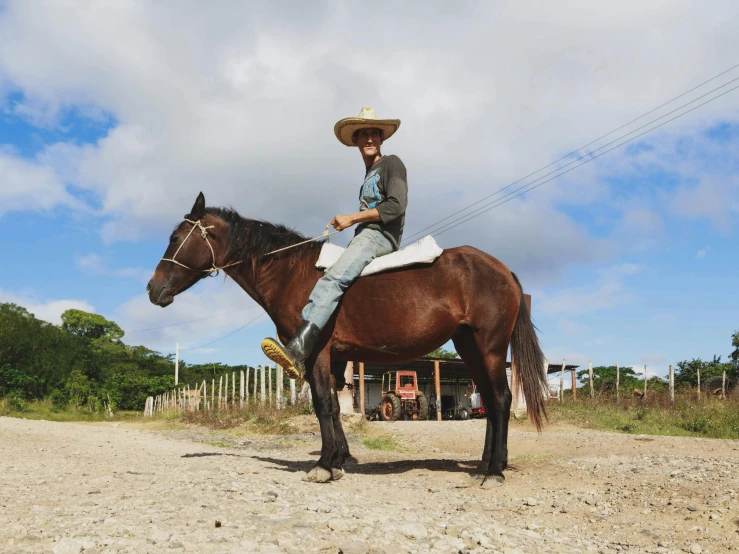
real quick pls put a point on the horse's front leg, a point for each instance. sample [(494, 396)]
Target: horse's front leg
[(319, 378)]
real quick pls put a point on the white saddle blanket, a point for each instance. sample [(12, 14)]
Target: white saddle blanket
[(424, 251)]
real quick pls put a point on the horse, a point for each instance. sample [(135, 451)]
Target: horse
[(392, 317)]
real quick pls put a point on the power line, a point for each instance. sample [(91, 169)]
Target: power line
[(528, 187), (406, 239), (190, 320), (225, 336)]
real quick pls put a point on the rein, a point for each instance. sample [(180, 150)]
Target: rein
[(323, 235), (214, 269)]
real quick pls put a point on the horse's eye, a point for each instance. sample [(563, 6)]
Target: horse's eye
[(172, 239)]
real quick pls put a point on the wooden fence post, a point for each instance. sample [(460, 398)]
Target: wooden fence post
[(262, 389), (590, 377), (723, 386), (562, 381), (574, 384), (269, 385), (618, 384), (278, 387), (672, 384), (699, 383), (213, 394), (645, 381), (233, 389), (361, 388), (241, 390), (437, 388), (220, 392), (293, 398), (225, 394), (246, 398)]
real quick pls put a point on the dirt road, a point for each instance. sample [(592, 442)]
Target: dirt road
[(75, 487)]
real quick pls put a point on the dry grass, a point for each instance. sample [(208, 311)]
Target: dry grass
[(689, 416), (258, 418)]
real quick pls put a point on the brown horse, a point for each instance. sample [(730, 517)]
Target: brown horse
[(393, 317)]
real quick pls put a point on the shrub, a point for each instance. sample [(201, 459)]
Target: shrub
[(18, 404), (59, 399)]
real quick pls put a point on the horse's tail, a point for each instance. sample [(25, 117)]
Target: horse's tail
[(529, 359)]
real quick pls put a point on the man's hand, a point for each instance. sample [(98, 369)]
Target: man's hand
[(341, 222)]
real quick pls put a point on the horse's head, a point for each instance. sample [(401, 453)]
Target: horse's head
[(193, 249)]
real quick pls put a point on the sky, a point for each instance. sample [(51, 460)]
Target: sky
[(113, 116)]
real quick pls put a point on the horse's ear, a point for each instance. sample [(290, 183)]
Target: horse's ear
[(198, 208)]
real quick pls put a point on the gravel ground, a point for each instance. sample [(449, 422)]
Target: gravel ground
[(113, 488)]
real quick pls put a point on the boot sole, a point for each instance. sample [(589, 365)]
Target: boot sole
[(273, 350)]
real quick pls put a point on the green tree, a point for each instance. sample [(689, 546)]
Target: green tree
[(90, 326), (604, 378), (686, 373), (442, 354)]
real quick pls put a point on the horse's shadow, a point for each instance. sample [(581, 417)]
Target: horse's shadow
[(377, 468)]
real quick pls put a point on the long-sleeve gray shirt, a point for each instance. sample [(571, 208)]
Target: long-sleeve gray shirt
[(385, 187)]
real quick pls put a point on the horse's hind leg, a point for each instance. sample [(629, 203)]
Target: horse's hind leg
[(489, 371), (341, 451)]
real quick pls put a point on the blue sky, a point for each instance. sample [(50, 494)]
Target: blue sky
[(111, 123)]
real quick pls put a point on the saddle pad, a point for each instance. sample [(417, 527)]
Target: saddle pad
[(424, 251)]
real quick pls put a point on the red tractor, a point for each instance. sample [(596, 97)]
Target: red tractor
[(401, 397)]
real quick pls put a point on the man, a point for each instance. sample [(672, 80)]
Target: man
[(382, 202)]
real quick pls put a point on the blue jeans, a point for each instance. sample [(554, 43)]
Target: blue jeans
[(365, 247)]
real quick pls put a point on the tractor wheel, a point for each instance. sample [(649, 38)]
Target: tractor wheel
[(464, 414), (391, 408), (423, 407)]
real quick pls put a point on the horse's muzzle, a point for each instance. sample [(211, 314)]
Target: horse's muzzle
[(159, 295)]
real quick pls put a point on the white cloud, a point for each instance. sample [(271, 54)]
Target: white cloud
[(30, 185), (606, 294), (701, 253), (713, 198), (95, 264), (206, 299), (46, 310), (243, 108)]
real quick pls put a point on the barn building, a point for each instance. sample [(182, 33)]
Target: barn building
[(454, 384)]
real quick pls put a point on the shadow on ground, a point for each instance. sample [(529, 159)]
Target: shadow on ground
[(377, 468)]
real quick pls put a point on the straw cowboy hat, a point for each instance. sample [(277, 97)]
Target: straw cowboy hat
[(344, 129)]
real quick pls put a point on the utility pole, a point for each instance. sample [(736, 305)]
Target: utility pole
[(176, 363)]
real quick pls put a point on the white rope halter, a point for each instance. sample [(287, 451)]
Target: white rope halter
[(214, 269)]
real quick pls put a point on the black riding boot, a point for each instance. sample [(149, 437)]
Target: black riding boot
[(293, 355)]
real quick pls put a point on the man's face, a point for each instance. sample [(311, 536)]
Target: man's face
[(369, 142)]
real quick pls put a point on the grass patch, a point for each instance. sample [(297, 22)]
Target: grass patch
[(688, 417), (45, 410), (220, 444), (383, 443)]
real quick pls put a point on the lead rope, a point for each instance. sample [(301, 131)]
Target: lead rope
[(323, 235)]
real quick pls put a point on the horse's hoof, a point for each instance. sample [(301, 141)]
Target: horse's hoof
[(336, 473), (477, 479), (318, 475), (493, 481)]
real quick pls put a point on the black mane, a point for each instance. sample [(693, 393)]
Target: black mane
[(254, 238)]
